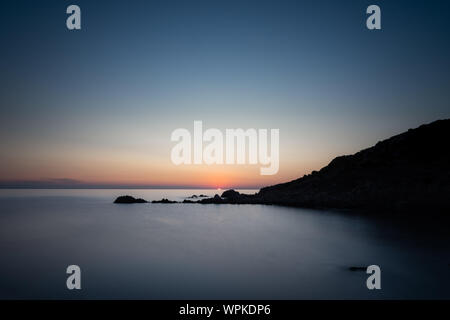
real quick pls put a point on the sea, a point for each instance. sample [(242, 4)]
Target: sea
[(194, 251)]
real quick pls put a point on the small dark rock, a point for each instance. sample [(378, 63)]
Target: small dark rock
[(216, 200), (164, 201), (129, 199)]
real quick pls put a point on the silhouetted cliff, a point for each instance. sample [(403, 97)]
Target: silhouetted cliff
[(407, 171)]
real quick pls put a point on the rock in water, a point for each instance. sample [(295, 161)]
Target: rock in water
[(129, 199), (164, 200), (230, 194), (217, 200)]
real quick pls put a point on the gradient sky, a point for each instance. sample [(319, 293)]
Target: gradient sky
[(97, 106)]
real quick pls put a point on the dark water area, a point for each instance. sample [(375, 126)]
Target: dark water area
[(192, 251)]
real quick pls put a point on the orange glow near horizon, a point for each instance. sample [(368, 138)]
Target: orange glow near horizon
[(139, 173), (150, 166)]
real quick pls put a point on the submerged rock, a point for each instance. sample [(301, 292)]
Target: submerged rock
[(194, 196)]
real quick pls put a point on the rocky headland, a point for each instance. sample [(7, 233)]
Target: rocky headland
[(409, 171)]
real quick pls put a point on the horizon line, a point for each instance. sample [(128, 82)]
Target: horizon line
[(124, 188), (139, 187)]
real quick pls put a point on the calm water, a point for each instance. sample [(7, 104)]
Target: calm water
[(183, 251)]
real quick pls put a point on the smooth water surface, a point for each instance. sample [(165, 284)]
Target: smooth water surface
[(192, 251)]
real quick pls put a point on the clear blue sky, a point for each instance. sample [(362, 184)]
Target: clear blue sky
[(98, 105)]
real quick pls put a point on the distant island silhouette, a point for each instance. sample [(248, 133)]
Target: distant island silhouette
[(409, 171)]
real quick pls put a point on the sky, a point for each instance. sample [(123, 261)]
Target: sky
[(97, 106)]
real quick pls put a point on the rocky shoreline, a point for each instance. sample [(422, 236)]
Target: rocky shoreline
[(227, 197), (407, 172)]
